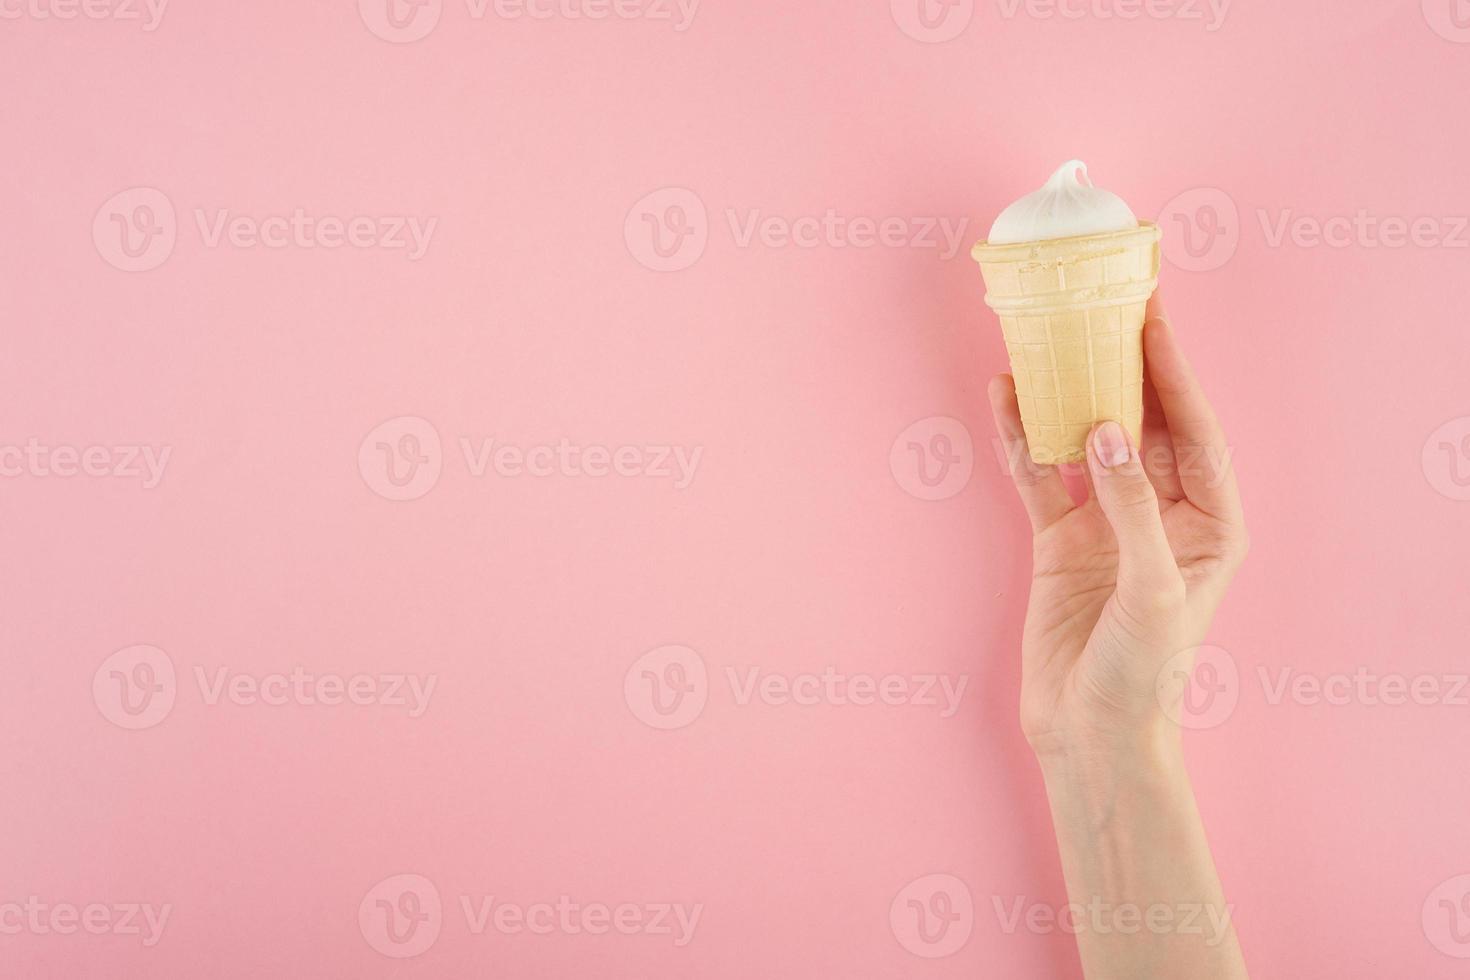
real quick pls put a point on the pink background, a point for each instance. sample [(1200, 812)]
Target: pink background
[(533, 318)]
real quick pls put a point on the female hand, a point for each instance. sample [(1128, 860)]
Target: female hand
[(1132, 577)]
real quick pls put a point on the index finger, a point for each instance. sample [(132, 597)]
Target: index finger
[(1201, 455), (1042, 491)]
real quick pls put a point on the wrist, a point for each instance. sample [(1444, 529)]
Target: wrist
[(1130, 837), (1088, 772)]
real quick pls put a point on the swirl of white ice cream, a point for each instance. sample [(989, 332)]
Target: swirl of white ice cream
[(1067, 206)]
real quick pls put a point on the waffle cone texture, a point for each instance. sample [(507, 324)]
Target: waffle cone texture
[(1072, 311)]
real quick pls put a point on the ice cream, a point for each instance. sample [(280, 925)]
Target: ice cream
[(1069, 270), (1067, 206)]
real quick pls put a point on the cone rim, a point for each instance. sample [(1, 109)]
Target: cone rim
[(1147, 233)]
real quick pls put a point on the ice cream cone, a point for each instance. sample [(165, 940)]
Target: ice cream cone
[(1072, 310)]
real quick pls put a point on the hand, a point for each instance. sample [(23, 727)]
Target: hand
[(1133, 575)]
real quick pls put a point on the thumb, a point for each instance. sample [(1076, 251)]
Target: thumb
[(1148, 577)]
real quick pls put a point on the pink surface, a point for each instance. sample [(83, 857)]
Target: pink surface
[(751, 395)]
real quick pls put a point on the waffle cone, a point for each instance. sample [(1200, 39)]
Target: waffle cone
[(1072, 311)]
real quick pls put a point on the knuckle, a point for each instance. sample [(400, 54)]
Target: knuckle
[(1232, 544), (1240, 545), (1135, 496), (1151, 610), (1164, 597), (1029, 474)]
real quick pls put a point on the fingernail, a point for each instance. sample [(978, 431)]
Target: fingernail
[(1110, 443)]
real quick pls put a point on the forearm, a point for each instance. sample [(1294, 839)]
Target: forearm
[(1145, 898)]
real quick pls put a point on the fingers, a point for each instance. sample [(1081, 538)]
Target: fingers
[(1202, 457), (1040, 487), (1146, 568), (1158, 448), (1089, 491)]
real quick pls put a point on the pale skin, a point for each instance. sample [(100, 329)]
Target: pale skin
[(1121, 584)]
